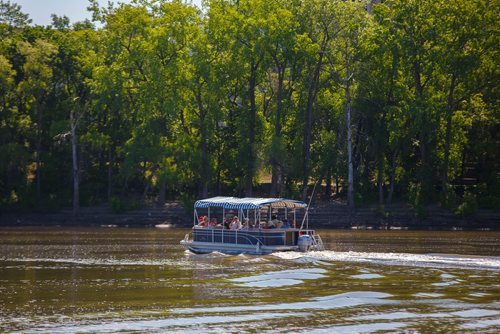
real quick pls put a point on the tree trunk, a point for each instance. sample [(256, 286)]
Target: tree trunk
[(204, 168), (76, 171), (393, 176), (148, 182), (337, 191), (250, 169), (328, 187), (350, 171), (110, 172), (380, 180), (277, 132), (161, 195), (38, 149), (311, 95), (447, 144)]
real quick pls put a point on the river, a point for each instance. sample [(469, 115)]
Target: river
[(85, 280)]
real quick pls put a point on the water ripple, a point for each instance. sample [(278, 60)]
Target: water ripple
[(348, 299)]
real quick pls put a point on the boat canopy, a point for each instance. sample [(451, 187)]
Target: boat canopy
[(248, 203)]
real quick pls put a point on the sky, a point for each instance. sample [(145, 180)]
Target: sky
[(40, 10)]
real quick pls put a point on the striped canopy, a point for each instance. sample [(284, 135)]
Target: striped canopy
[(248, 203)]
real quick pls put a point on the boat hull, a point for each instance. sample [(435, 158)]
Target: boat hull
[(232, 249), (256, 241)]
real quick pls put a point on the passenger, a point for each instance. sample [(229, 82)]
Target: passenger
[(206, 223), (201, 221), (213, 223), (225, 224), (274, 222), (251, 224), (286, 224), (235, 224), (245, 225)]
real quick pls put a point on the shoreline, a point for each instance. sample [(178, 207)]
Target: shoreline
[(324, 216)]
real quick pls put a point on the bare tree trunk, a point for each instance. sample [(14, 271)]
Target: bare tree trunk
[(337, 191), (393, 176), (148, 182), (350, 171), (110, 173), (204, 170), (76, 171), (380, 180), (447, 144), (250, 169), (328, 188), (38, 149), (277, 131), (204, 162), (161, 195)]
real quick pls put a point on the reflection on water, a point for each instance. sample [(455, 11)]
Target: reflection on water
[(61, 280), (274, 279)]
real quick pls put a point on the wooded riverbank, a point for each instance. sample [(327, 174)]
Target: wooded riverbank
[(380, 101), (327, 215)]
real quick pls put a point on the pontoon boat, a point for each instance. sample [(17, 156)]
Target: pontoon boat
[(269, 225)]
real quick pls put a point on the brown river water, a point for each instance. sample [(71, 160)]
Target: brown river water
[(108, 280)]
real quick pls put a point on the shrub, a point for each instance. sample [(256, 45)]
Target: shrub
[(469, 205), (490, 202), (448, 198), (117, 204)]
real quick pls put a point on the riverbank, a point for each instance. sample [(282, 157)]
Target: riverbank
[(329, 216)]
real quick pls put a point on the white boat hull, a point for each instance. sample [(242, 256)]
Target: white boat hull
[(209, 247)]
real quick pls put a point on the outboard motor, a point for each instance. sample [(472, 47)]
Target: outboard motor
[(305, 242)]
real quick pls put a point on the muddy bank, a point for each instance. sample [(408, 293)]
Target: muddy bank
[(331, 215), (171, 213)]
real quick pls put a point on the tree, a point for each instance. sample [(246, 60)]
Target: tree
[(348, 48), (11, 15), (35, 87)]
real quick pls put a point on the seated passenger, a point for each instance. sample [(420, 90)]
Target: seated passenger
[(225, 224), (213, 223), (274, 222), (235, 223), (245, 224), (286, 224), (201, 221)]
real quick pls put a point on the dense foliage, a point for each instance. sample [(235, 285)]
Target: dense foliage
[(375, 100)]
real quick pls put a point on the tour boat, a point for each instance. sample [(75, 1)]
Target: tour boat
[(269, 225)]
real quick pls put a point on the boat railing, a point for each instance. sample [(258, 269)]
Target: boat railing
[(318, 242), (235, 234)]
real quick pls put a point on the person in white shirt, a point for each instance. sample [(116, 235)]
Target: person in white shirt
[(235, 223)]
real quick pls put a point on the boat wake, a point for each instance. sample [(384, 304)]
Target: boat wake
[(402, 259)]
